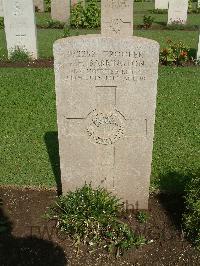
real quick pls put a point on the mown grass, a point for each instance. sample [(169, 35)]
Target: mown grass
[(47, 37), (28, 117)]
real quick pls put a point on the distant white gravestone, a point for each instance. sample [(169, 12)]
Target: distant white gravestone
[(106, 90), (117, 18), (40, 5), (198, 4), (1, 8), (74, 2), (19, 19), (161, 4), (177, 12), (198, 51), (60, 10)]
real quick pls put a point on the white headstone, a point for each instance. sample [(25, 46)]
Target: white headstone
[(198, 4), (106, 98), (40, 5), (19, 19), (177, 12), (161, 4), (117, 18), (198, 51), (1, 8), (60, 10)]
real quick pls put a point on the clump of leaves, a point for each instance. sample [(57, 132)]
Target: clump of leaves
[(142, 217), (191, 217), (1, 23), (85, 16), (19, 55), (47, 5), (66, 31), (176, 53), (159, 11), (54, 24), (92, 216), (148, 21)]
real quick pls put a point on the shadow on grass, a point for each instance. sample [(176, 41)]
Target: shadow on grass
[(51, 141), (173, 190), (26, 250)]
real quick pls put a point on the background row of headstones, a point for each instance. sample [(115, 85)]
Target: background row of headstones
[(163, 4), (19, 19), (60, 9)]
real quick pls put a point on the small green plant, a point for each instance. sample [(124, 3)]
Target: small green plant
[(148, 21), (19, 55), (190, 6), (85, 17), (159, 11), (66, 31), (47, 5), (54, 24), (175, 53), (142, 217), (92, 216), (1, 23), (191, 217)]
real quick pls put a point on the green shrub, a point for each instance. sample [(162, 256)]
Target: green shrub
[(54, 24), (191, 217), (1, 23), (175, 53), (66, 31), (148, 21), (85, 17), (190, 6), (92, 216), (19, 55), (47, 5), (77, 15), (92, 15)]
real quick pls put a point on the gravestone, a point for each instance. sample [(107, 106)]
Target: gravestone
[(198, 4), (177, 12), (161, 4), (1, 8), (40, 5), (106, 98), (60, 10), (117, 18), (19, 20), (198, 51)]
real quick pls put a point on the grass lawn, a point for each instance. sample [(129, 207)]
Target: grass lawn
[(46, 38), (140, 9), (28, 125)]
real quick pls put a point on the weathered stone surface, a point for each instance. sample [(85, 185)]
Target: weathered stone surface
[(19, 19), (177, 12), (161, 4), (40, 5), (106, 98), (117, 17), (60, 10), (198, 51), (1, 8)]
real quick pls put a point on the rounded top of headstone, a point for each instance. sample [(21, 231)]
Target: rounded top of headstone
[(96, 37)]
